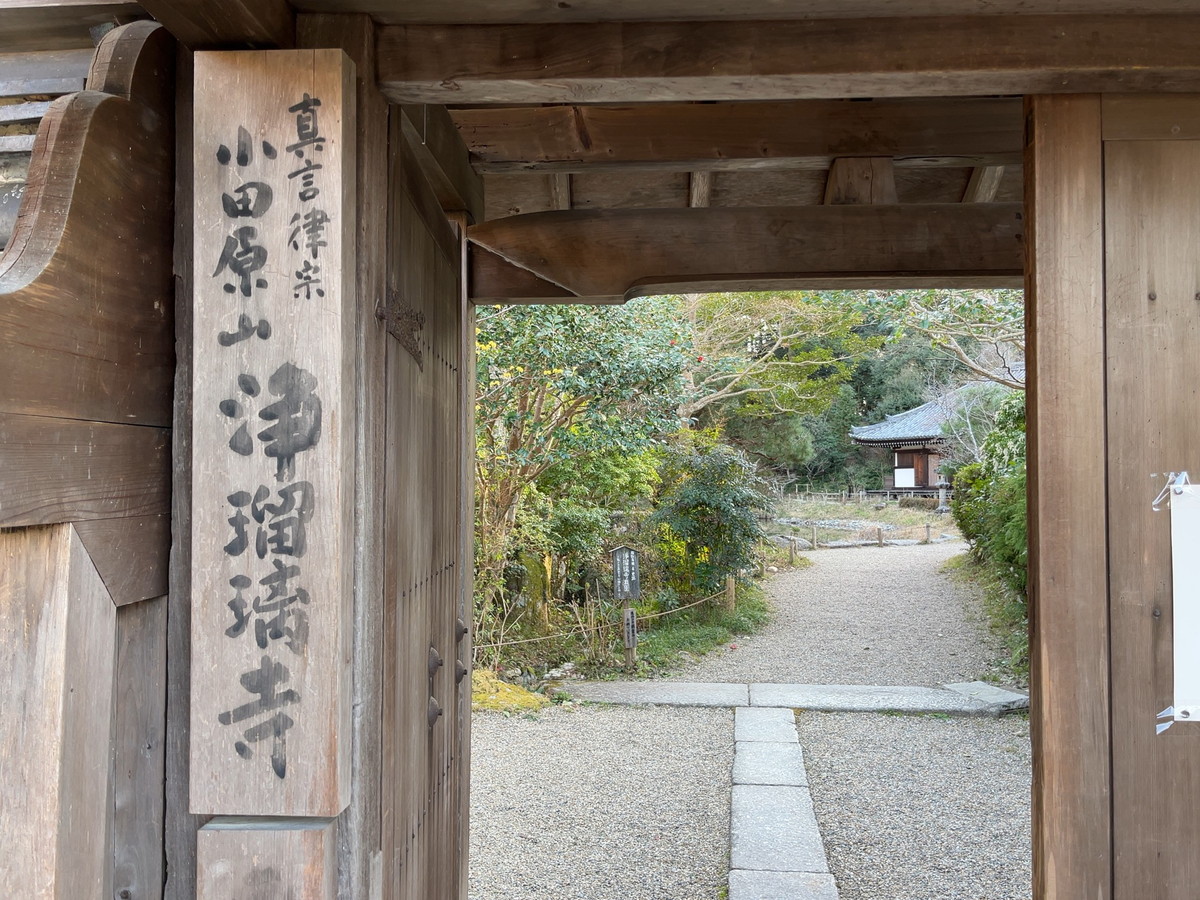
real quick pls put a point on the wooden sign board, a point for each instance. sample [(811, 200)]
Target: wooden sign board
[(627, 578), (249, 858), (273, 423)]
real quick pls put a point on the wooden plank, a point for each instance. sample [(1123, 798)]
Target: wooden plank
[(560, 191), (57, 650), (812, 59), (130, 554), (139, 732), (206, 24), (359, 828), (16, 143), (1151, 117), (180, 827), (723, 137), (609, 252), (1068, 590), (62, 25), (629, 190), (61, 470), (984, 184), (502, 12), (23, 113), (699, 189), (50, 72), (444, 158), (273, 429), (869, 180), (81, 341), (497, 276), (294, 858), (1151, 222)]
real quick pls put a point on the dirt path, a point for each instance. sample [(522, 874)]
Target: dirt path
[(863, 616)]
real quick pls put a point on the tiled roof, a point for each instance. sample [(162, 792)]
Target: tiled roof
[(920, 425)]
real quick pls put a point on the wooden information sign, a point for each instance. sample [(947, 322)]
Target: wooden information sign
[(273, 420)]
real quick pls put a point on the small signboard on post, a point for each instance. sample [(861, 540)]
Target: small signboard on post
[(627, 579), (627, 586)]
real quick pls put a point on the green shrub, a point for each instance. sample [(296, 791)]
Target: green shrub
[(918, 503)]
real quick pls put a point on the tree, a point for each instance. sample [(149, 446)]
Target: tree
[(772, 352), (982, 330), (556, 384)]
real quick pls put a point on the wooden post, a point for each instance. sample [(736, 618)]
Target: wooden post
[(814, 537), (792, 552), (928, 534), (273, 421), (879, 536), (730, 593), (629, 621)]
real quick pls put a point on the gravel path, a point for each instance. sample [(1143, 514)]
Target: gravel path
[(921, 808), (868, 615), (601, 803)]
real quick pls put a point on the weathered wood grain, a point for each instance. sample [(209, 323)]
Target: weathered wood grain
[(1068, 589), (139, 733), (273, 428), (295, 858), (1152, 278), (443, 157), (57, 656), (1151, 117), (560, 191), (130, 554), (599, 253), (470, 12), (699, 189), (738, 136), (811, 59), (180, 827), (206, 24), (359, 828), (984, 184), (496, 276), (52, 72), (63, 25), (870, 180), (62, 470), (79, 340)]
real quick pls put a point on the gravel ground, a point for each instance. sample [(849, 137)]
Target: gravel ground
[(863, 616), (601, 803), (921, 808)]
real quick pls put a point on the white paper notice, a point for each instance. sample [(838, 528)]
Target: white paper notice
[(1185, 568)]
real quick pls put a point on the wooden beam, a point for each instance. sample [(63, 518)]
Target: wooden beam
[(205, 24), (444, 158), (503, 12), (560, 191), (613, 252), (898, 57), (52, 72), (984, 183), (858, 180), (804, 134), (62, 25), (1068, 559), (699, 189)]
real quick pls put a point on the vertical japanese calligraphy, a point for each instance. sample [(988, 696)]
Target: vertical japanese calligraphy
[(273, 428)]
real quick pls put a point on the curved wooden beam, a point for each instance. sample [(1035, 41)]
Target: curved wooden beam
[(599, 254)]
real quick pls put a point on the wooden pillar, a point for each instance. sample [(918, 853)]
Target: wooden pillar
[(1152, 316), (1068, 558)]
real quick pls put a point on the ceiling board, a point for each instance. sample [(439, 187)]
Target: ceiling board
[(488, 12)]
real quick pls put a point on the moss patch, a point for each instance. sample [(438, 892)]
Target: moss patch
[(490, 693)]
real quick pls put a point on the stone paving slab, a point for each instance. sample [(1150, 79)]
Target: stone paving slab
[(750, 885), (998, 699), (865, 698), (660, 693), (764, 724), (769, 762), (774, 829)]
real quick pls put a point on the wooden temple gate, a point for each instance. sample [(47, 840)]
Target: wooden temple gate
[(237, 358)]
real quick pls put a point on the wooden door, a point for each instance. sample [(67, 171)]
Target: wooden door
[(1113, 195), (426, 575)]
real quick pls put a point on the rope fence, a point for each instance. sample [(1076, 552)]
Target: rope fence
[(598, 628)]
